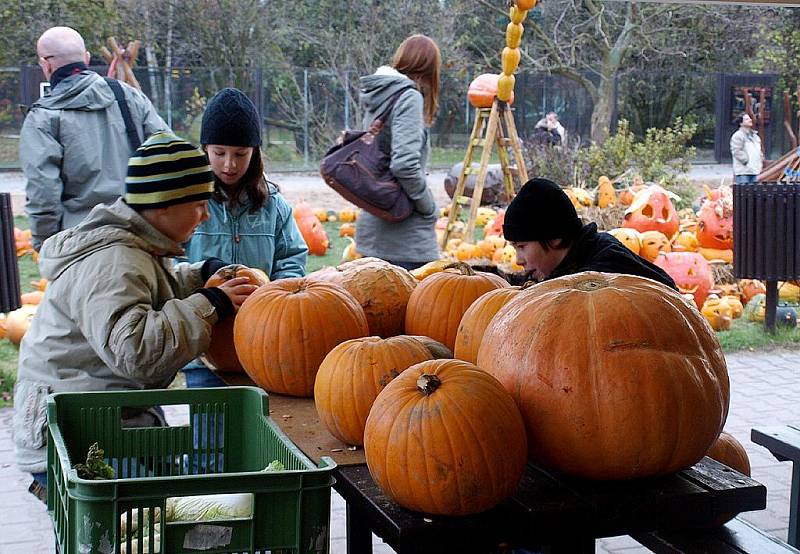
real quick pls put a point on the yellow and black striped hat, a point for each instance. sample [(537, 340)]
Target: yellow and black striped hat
[(167, 170)]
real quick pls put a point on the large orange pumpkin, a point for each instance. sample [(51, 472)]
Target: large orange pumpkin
[(445, 438), (483, 90), (690, 271), (616, 376), (381, 288), (652, 210), (18, 322), (729, 451), (2, 326), (285, 329), (351, 376), (477, 318), (437, 304), (310, 227), (221, 352)]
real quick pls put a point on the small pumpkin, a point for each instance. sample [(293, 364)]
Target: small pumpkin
[(788, 291), (311, 228), (517, 15), (525, 5), (756, 309), (351, 376), (686, 241), (510, 59), (347, 216), (715, 255), (221, 352), (606, 195), (350, 253), (18, 322), (429, 269), (736, 306), (476, 319), (467, 251), (653, 243), (322, 215), (729, 451), (495, 226), (718, 313), (514, 34), (750, 288), (629, 237), (437, 304), (439, 425), (347, 230), (34, 297), (285, 329), (715, 224)]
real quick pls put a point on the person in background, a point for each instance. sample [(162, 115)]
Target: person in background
[(748, 159), (250, 223), (414, 74), (118, 314), (544, 228), (554, 123), (73, 145), (548, 131)]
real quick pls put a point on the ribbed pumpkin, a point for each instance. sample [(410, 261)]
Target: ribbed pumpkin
[(351, 376), (616, 376), (445, 438), (285, 329), (477, 318), (437, 304), (221, 352), (729, 451), (483, 89), (381, 288)]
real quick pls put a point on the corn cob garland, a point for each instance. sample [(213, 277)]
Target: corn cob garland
[(511, 54)]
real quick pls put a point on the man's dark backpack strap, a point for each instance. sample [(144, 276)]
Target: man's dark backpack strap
[(130, 129)]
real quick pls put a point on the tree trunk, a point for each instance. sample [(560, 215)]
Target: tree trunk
[(168, 66), (150, 54), (604, 106)]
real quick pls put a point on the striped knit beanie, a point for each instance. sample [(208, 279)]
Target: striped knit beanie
[(167, 170)]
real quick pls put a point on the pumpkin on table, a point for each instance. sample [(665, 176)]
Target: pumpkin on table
[(476, 319), (445, 438), (436, 306), (642, 390), (729, 451), (382, 289), (285, 329), (221, 352), (351, 376)]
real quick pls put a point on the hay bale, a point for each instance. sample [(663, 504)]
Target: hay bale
[(606, 218), (723, 274)]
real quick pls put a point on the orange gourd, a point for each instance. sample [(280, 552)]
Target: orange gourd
[(221, 352), (285, 329), (483, 90), (510, 58), (445, 438), (437, 304), (477, 318), (312, 230), (381, 288), (606, 195), (526, 5), (34, 297), (616, 376), (351, 376), (514, 34), (729, 451)]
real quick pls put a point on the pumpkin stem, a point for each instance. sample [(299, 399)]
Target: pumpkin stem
[(428, 383), (463, 267)]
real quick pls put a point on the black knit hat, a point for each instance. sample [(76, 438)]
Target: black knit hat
[(540, 211), (167, 170), (231, 119)]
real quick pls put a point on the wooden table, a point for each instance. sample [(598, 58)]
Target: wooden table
[(549, 512)]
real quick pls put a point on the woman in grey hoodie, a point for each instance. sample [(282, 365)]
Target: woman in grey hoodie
[(415, 71)]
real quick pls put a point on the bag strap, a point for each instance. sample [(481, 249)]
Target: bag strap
[(377, 123), (130, 129)]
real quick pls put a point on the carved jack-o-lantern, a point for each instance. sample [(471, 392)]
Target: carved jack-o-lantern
[(715, 226), (735, 304), (751, 288), (653, 243), (652, 210), (690, 271), (629, 237), (718, 313), (686, 241)]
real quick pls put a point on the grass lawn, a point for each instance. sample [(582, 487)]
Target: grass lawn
[(742, 336)]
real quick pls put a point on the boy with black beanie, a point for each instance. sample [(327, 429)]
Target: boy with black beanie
[(551, 241), (118, 313)]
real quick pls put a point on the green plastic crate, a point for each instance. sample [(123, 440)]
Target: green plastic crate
[(229, 441)]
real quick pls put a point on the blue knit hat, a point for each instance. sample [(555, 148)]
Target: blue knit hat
[(231, 119)]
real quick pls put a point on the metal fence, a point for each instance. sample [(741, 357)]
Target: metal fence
[(302, 111)]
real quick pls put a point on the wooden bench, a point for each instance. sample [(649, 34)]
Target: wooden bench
[(736, 536), (784, 443)]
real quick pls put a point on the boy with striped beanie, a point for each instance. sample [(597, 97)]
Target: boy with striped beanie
[(118, 313)]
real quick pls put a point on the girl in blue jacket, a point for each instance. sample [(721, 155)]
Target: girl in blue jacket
[(249, 222)]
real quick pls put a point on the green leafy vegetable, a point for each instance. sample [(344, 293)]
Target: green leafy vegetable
[(95, 467)]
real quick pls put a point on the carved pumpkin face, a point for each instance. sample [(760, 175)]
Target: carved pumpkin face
[(756, 309), (736, 306), (483, 90), (652, 210), (690, 271), (606, 195), (715, 226), (718, 313), (788, 291), (685, 242), (652, 244), (628, 237), (751, 288)]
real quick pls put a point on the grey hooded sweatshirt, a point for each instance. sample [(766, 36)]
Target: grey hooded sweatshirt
[(74, 151), (118, 314), (405, 137)]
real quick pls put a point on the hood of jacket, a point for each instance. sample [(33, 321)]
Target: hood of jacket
[(104, 227), (376, 89), (86, 91)]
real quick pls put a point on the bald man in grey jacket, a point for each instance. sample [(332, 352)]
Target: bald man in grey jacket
[(74, 149)]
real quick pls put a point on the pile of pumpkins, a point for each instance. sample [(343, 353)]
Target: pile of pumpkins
[(492, 249), (384, 375), (14, 325)]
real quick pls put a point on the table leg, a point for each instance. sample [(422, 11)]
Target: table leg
[(577, 545), (793, 535), (359, 534)]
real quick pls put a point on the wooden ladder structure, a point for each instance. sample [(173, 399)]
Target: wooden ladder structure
[(492, 126)]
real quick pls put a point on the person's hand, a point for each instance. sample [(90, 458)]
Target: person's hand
[(237, 290)]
